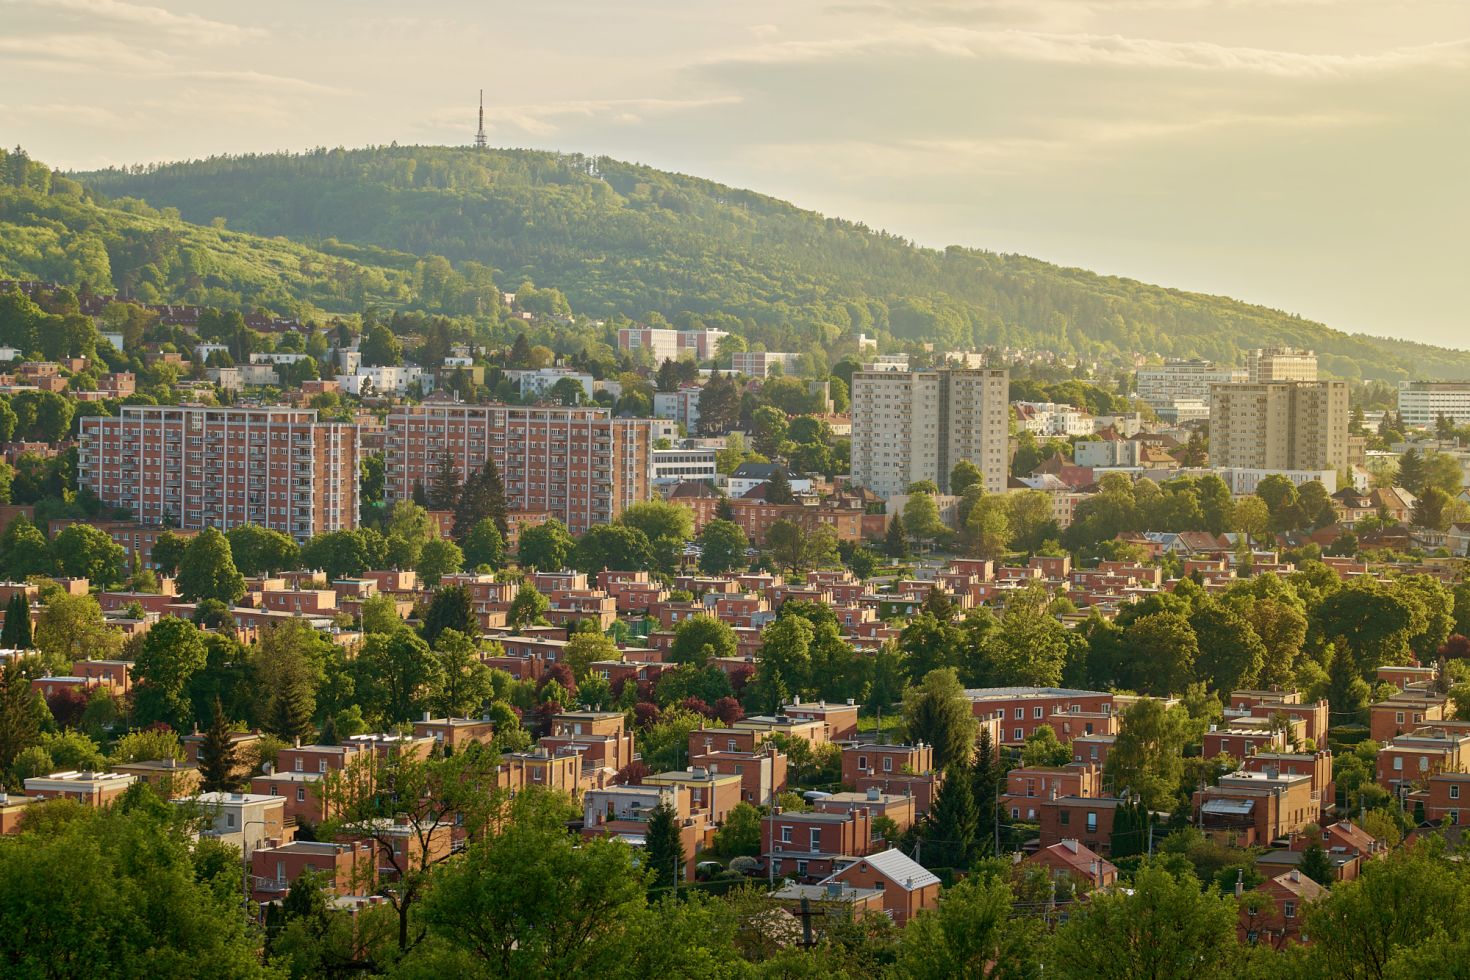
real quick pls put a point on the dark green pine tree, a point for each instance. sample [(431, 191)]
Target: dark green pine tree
[(483, 496), (420, 496), (444, 494), (1315, 864), (938, 604), (663, 847), (778, 488), (520, 352), (294, 706), (1130, 830), (895, 543), (985, 777), (949, 839), (16, 634), (724, 510), (21, 714), (218, 755), (450, 609)]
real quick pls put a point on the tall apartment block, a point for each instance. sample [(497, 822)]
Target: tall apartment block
[(1183, 380), (1421, 403), (1282, 425), (909, 426), (1266, 364), (198, 466), (580, 465)]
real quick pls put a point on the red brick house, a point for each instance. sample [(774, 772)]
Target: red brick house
[(1068, 858), (908, 887)]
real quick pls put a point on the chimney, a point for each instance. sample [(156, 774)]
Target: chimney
[(1070, 845), (873, 793), (426, 716), (851, 702), (267, 768), (1296, 876), (1240, 882), (298, 741)]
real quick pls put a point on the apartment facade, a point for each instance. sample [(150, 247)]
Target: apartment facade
[(579, 465), (1421, 403), (1280, 425), (1183, 380), (1267, 364), (670, 345), (203, 466), (909, 426), (758, 364)]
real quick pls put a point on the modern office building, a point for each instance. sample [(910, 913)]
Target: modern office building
[(678, 465), (580, 465), (680, 406), (1421, 403), (1183, 380), (194, 466), (1283, 425), (909, 426), (1267, 364)]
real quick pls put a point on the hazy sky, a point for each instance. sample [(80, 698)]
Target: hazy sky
[(1312, 155)]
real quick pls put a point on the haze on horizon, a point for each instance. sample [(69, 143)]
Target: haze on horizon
[(1309, 155)]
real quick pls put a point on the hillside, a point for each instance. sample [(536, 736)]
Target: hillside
[(53, 228), (624, 238)]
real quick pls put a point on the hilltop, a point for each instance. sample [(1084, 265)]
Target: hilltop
[(622, 238)]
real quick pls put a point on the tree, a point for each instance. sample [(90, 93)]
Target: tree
[(585, 648), (483, 546), (483, 496), (972, 933), (83, 551), (438, 797), (219, 764), (778, 488), (1315, 864), (668, 527), (663, 848), (345, 554), (700, 639), (171, 653), (546, 547), (769, 427), (1411, 472), (988, 527), (613, 546), (921, 518), (1231, 655), (1147, 756), (454, 609), (258, 550), (380, 614), (571, 924), (167, 553), (1029, 647), (1432, 509), (400, 672), (1031, 520), (409, 528), (22, 713), (528, 608), (444, 494), (24, 551), (949, 836), (437, 559), (792, 547), (207, 570), (741, 832), (722, 548), (1043, 748), (287, 667), (1164, 649), (936, 712), (895, 542), (379, 347), (16, 634), (964, 475), (1164, 927), (1252, 518), (71, 628)]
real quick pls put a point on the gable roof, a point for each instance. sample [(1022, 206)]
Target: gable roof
[(898, 868), (1077, 856)]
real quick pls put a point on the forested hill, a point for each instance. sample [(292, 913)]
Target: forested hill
[(624, 238), (53, 229)]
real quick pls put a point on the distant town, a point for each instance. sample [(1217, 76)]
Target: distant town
[(823, 647)]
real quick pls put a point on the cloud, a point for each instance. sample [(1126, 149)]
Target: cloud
[(190, 27), (77, 52), (1099, 50), (257, 79), (547, 118)]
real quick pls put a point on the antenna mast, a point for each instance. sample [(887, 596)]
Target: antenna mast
[(480, 134)]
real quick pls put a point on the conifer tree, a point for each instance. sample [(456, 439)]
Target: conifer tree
[(949, 840), (17, 632), (445, 492), (1315, 864), (663, 847), (218, 755), (895, 544), (985, 777), (778, 488), (483, 496)]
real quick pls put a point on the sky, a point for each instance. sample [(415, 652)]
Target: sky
[(1311, 155)]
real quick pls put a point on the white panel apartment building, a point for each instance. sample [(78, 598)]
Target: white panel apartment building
[(1285, 425), (1266, 364), (1180, 380), (1421, 403), (909, 426)]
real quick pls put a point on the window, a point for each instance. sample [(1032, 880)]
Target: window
[(786, 835), (1019, 736), (1398, 762), (321, 765), (1016, 814), (1020, 713), (1423, 763), (1037, 713), (862, 763), (1289, 909), (1455, 792), (1066, 816), (801, 868), (1399, 717), (298, 764), (1091, 822), (1454, 816), (888, 763), (730, 745), (301, 794), (816, 839), (229, 820)]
